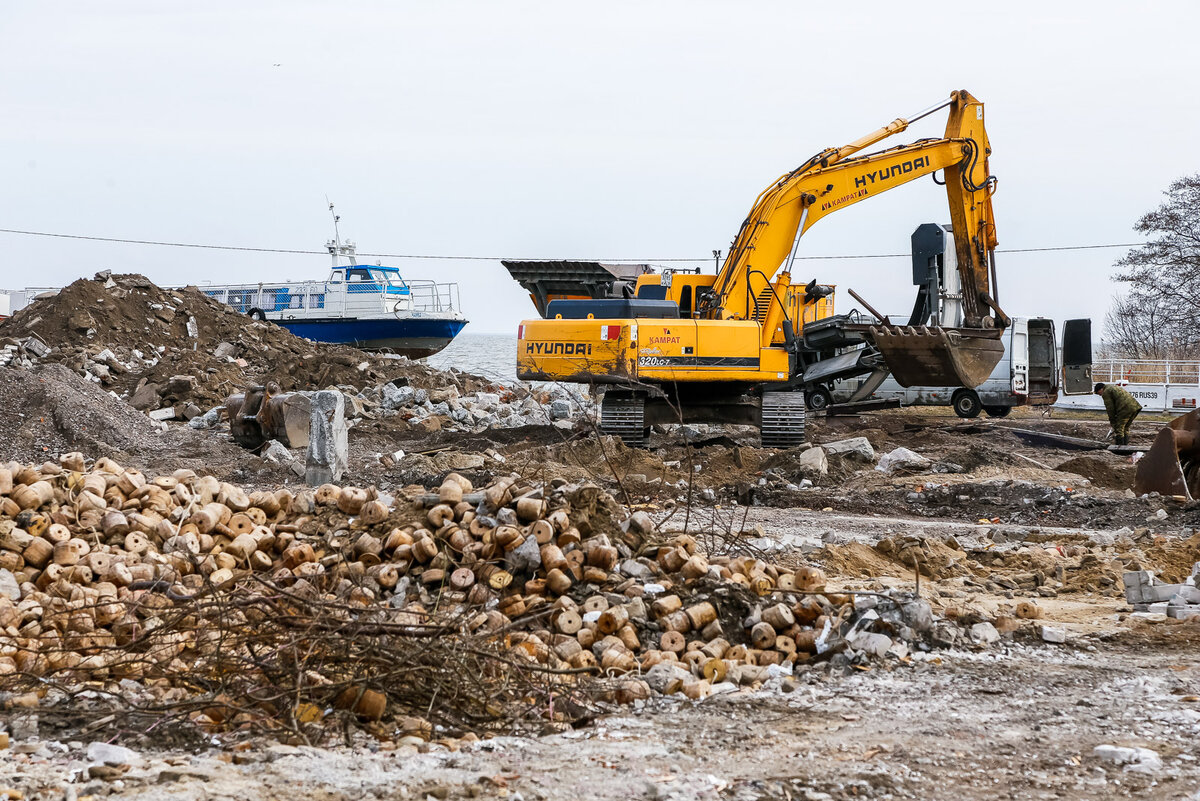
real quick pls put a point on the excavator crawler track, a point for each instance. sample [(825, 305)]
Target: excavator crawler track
[(623, 415), (783, 419)]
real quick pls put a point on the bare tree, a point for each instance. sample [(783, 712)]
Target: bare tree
[(1159, 318), (1137, 327)]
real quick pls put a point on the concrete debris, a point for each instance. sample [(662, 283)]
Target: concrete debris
[(1142, 760), (1146, 594), (210, 419), (275, 451), (492, 514), (109, 754), (903, 459), (813, 461), (8, 585), (327, 445), (1053, 635), (985, 633), (853, 448)]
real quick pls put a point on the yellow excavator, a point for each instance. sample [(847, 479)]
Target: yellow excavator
[(746, 345)]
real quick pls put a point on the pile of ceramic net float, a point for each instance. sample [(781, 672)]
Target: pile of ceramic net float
[(101, 567)]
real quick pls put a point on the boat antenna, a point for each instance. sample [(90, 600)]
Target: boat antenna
[(337, 240), (335, 246)]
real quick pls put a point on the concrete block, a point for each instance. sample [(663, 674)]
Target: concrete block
[(1161, 592), (1053, 635), (1187, 594), (327, 444), (1141, 587), (1183, 612)]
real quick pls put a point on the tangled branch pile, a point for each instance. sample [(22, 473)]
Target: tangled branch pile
[(511, 608)]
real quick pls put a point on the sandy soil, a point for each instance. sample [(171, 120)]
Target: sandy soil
[(1017, 720)]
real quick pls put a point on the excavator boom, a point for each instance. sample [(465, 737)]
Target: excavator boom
[(837, 178)]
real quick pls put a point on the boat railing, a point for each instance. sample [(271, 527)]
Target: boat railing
[(426, 296), (434, 296)]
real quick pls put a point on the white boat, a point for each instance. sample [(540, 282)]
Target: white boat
[(365, 305)]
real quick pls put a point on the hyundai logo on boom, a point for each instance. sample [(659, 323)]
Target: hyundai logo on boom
[(884, 174)]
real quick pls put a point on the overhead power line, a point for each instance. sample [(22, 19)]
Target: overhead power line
[(295, 251)]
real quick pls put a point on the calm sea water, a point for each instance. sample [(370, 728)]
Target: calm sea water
[(492, 356)]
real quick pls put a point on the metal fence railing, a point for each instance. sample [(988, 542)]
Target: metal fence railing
[(1143, 371)]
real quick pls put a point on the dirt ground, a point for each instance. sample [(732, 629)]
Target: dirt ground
[(996, 521), (1017, 720)]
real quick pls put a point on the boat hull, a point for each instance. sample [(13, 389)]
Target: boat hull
[(414, 337)]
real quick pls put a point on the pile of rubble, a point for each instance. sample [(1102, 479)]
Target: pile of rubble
[(179, 349), (110, 575), (1146, 594)]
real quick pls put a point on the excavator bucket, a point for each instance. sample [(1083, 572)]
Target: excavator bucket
[(921, 356), (1172, 465)]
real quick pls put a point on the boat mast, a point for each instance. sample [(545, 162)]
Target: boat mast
[(335, 246)]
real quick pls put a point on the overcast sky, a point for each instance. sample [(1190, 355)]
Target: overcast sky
[(571, 130)]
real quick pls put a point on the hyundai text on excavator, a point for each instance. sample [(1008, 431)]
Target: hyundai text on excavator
[(746, 345)]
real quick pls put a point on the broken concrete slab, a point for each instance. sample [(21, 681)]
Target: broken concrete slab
[(275, 451), (327, 445), (902, 459), (854, 448), (1142, 587), (985, 633), (812, 461)]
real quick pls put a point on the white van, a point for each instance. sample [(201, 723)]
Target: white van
[(1031, 373)]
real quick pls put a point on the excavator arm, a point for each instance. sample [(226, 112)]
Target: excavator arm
[(837, 178)]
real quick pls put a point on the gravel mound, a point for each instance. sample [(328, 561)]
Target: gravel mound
[(50, 410)]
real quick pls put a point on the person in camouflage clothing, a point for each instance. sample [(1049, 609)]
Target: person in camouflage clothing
[(1121, 407)]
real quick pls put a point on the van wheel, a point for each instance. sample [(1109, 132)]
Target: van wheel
[(257, 314), (997, 411), (818, 398), (966, 403)]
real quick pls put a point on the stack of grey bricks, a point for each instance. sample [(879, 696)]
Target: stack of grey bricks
[(1146, 594)]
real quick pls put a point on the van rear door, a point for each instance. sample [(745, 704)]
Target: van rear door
[(1077, 357), (1018, 352)]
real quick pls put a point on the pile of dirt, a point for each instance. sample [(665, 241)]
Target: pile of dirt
[(153, 333), (1107, 471), (50, 410)]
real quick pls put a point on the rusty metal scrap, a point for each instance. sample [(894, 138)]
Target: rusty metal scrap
[(1172, 465)]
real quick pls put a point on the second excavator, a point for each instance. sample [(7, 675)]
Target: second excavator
[(746, 345)]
